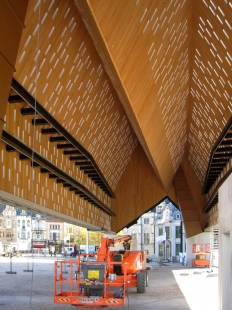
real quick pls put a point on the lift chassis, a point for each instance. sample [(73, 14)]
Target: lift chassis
[(103, 282)]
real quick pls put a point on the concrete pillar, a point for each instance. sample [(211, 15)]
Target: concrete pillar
[(225, 244), (173, 242)]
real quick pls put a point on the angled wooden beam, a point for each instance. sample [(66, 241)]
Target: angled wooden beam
[(39, 122), (81, 157), (28, 111), (65, 146), (23, 157), (57, 139), (15, 99), (48, 131), (71, 152)]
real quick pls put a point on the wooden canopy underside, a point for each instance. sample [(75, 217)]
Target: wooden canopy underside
[(143, 85)]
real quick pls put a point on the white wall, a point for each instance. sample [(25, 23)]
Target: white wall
[(225, 244)]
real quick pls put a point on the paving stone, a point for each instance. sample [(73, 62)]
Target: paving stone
[(34, 290)]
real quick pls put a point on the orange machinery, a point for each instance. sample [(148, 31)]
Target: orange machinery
[(104, 281), (201, 250)]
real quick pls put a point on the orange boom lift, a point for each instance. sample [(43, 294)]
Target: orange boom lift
[(102, 282)]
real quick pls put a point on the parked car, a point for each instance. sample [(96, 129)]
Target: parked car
[(68, 251), (3, 253), (92, 254), (81, 251)]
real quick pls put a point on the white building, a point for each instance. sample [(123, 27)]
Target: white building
[(23, 232), (159, 232), (169, 232), (8, 235), (38, 231)]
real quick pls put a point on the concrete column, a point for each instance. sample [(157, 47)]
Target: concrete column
[(225, 244), (156, 242), (173, 241)]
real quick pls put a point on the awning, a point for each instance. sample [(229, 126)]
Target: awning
[(161, 238), (38, 245)]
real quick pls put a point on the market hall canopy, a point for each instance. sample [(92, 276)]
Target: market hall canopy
[(115, 105)]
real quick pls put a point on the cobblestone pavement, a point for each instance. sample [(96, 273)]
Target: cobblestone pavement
[(170, 287)]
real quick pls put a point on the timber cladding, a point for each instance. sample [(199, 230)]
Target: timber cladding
[(143, 86), (58, 65), (23, 177), (139, 189)]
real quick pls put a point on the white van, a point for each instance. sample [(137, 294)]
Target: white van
[(68, 251)]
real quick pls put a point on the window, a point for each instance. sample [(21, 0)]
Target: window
[(146, 238), (0, 222), (161, 250), (38, 236), (23, 235), (134, 236), (178, 249), (178, 216), (178, 231), (0, 234), (56, 227), (167, 230), (28, 223), (28, 234), (146, 221), (23, 224), (160, 231), (18, 223), (9, 224)]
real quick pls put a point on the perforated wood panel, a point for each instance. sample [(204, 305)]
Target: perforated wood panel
[(211, 85), (23, 179), (149, 43), (58, 64), (173, 59), (118, 75)]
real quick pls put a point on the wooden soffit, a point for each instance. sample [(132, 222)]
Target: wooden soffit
[(169, 62)]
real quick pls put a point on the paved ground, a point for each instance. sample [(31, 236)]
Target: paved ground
[(170, 287)]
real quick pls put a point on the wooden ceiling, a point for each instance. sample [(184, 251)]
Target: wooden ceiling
[(116, 74), (170, 62)]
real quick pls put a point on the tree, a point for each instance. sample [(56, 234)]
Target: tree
[(78, 236), (95, 237)]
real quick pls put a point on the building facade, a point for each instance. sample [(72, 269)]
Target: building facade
[(26, 232), (55, 236), (169, 231), (23, 231), (160, 232), (8, 229)]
